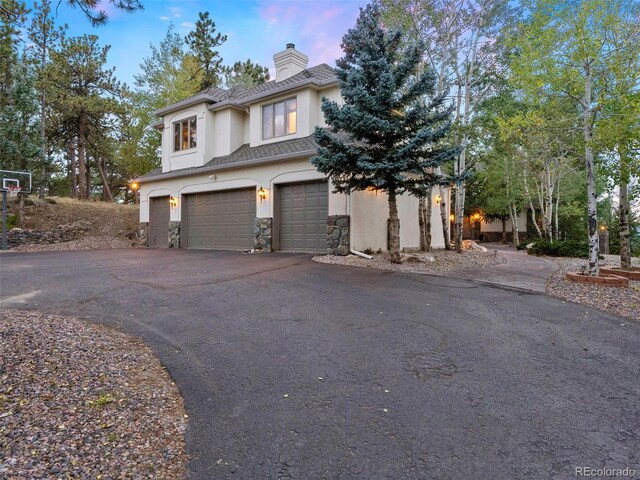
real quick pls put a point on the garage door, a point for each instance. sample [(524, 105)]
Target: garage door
[(303, 217), (158, 222), (220, 220)]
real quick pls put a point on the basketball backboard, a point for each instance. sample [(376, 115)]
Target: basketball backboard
[(12, 179)]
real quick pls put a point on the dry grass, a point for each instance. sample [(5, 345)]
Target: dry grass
[(104, 218)]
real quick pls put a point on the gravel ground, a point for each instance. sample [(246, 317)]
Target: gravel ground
[(618, 301), (85, 243), (79, 400), (443, 260)]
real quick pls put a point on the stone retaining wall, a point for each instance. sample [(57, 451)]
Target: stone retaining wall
[(338, 234), (63, 233)]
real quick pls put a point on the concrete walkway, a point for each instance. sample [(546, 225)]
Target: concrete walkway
[(521, 270)]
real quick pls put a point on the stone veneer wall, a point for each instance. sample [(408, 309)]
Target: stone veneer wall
[(263, 234), (338, 234), (174, 234), (143, 234)]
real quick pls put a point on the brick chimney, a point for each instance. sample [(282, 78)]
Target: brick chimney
[(289, 62)]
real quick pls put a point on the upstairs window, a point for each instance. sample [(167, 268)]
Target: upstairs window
[(279, 119), (185, 134)]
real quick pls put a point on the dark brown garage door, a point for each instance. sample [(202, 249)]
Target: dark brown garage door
[(303, 217), (220, 220), (159, 222)]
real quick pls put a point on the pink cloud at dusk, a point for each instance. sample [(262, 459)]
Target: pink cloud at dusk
[(315, 27)]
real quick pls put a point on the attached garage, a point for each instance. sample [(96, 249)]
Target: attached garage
[(302, 217), (219, 220), (158, 222)]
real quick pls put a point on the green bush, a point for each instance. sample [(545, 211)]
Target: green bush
[(12, 221), (568, 248)]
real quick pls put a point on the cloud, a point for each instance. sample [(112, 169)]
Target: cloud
[(187, 24), (165, 18), (315, 27), (176, 12)]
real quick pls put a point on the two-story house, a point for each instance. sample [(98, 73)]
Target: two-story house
[(236, 174)]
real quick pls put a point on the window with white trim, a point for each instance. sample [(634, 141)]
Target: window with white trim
[(279, 119), (185, 134)]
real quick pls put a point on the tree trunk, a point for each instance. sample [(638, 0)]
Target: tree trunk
[(43, 142), (82, 160), (459, 165), (548, 199), (394, 229), (21, 211), (515, 231), (555, 213), (427, 212), (532, 209), (444, 214), (504, 229), (625, 231), (106, 190), (72, 169), (421, 225), (592, 214)]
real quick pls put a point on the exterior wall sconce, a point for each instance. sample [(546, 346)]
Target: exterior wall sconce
[(603, 228), (173, 202), (262, 193), (452, 217), (134, 186), (438, 199)]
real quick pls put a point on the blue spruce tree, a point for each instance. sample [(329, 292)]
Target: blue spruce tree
[(391, 115)]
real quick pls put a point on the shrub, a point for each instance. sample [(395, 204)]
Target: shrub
[(12, 221), (568, 248)]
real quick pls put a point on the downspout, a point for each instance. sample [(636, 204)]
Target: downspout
[(355, 252)]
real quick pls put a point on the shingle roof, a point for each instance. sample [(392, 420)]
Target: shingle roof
[(321, 74), (245, 155)]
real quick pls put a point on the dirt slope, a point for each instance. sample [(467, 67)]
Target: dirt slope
[(100, 224)]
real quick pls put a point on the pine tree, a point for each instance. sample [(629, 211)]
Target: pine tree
[(203, 42), (19, 139), (395, 131), (44, 37), (245, 74), (84, 94)]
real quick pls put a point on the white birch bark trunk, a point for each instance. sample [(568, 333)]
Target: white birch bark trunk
[(625, 231), (592, 214)]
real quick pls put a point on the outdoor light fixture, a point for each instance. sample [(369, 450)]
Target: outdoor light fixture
[(134, 186), (603, 227), (173, 202), (262, 193), (452, 217), (438, 199)]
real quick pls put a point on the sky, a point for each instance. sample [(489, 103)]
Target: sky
[(256, 29)]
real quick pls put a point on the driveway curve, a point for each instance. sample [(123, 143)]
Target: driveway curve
[(294, 369)]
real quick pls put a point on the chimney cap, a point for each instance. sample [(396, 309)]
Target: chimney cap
[(291, 45)]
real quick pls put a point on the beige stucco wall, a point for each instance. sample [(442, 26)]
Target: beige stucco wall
[(266, 176), (193, 157), (369, 221), (306, 116), (496, 225), (368, 211)]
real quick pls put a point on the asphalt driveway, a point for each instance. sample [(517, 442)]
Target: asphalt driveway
[(293, 369)]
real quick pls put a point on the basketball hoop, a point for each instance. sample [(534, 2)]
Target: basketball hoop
[(14, 190)]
